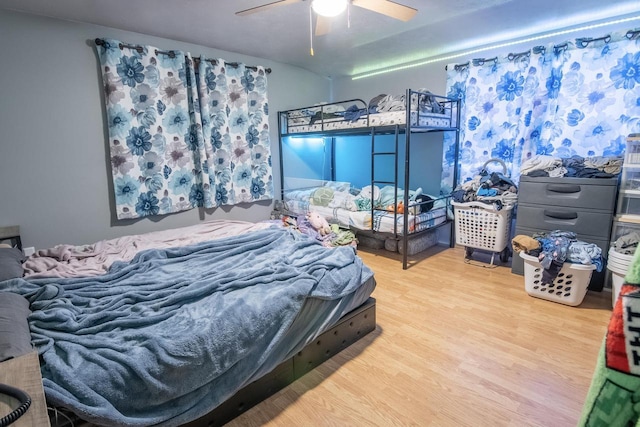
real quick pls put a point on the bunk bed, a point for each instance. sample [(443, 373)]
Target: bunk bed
[(384, 206)]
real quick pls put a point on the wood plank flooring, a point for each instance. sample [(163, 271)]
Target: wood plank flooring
[(455, 345)]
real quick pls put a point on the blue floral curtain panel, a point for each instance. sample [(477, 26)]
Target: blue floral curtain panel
[(578, 98), (235, 109), (171, 151)]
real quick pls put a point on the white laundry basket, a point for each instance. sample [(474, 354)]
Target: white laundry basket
[(480, 226), (569, 287)]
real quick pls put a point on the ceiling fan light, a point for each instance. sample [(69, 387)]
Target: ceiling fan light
[(329, 8)]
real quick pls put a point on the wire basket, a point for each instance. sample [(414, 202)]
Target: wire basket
[(480, 226), (569, 287)]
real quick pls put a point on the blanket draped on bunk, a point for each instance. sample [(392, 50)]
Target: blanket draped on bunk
[(120, 348)]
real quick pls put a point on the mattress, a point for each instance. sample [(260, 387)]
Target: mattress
[(382, 221), (342, 204), (390, 118), (427, 111)]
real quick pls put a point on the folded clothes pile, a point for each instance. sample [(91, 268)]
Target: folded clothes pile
[(575, 166)]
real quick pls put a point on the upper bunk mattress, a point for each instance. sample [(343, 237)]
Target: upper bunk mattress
[(426, 111)]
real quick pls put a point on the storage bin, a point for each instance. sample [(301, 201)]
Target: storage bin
[(618, 265), (629, 205), (569, 287), (632, 153)]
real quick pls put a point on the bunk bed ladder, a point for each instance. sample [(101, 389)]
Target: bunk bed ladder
[(374, 180)]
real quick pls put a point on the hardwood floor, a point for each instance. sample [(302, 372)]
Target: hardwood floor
[(456, 345)]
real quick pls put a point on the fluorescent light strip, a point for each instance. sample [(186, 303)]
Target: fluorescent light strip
[(494, 46)]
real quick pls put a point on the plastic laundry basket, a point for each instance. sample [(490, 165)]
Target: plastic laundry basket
[(569, 287), (480, 226)]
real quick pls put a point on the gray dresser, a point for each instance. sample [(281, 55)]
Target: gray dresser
[(582, 205)]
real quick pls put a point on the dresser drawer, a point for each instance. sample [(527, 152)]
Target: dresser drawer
[(585, 222), (567, 192)]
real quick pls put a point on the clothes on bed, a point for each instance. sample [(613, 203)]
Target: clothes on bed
[(391, 103), (353, 113), (336, 237), (426, 110), (166, 337), (422, 101)]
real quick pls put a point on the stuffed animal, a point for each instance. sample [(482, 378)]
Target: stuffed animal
[(398, 208), (319, 223)]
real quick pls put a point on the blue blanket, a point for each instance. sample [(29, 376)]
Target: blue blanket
[(167, 337)]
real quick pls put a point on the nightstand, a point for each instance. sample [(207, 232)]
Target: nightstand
[(24, 373)]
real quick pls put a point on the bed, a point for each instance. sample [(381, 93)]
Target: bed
[(166, 328)]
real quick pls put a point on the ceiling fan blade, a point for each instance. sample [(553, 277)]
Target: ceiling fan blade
[(323, 25), (266, 6), (387, 7)]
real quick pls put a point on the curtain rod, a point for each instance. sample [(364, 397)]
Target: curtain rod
[(580, 43), (172, 54)]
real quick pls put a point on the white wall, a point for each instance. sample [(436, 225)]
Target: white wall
[(55, 179), (432, 77)]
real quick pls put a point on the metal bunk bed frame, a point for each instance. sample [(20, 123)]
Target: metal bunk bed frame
[(397, 130)]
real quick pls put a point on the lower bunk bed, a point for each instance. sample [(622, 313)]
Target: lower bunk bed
[(375, 214), (193, 326)]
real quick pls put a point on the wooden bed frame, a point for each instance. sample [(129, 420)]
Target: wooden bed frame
[(349, 329)]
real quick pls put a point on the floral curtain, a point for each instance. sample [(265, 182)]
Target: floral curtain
[(237, 158), (579, 98), (169, 150)]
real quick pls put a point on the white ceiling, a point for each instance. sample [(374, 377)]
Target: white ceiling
[(282, 33)]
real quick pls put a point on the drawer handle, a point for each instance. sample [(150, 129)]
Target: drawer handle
[(563, 188), (561, 214)]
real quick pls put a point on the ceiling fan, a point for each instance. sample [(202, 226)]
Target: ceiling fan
[(326, 9)]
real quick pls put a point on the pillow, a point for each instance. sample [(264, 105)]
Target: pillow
[(338, 186), (15, 337), (322, 196), (425, 198), (439, 201), (366, 193), (11, 260)]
